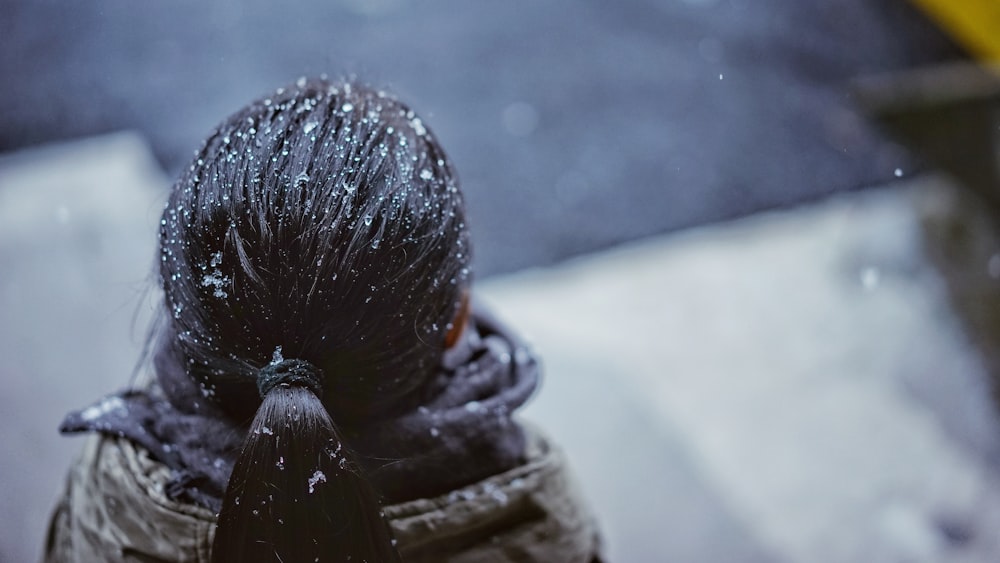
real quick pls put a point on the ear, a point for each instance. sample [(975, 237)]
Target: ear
[(458, 323)]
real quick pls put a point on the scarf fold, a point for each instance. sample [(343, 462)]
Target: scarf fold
[(462, 433)]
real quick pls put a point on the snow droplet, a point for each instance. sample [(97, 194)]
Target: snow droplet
[(499, 496), (215, 280), (870, 278), (348, 107), (898, 172), (310, 126), (418, 126), (317, 478), (108, 405), (426, 174)]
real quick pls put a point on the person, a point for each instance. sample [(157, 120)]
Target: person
[(325, 388)]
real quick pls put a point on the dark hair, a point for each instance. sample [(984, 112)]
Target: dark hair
[(324, 225)]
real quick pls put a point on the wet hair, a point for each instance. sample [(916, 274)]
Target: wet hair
[(312, 259)]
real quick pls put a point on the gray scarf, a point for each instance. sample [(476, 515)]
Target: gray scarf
[(463, 432)]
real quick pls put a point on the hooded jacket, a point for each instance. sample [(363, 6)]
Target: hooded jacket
[(148, 485), (115, 509)]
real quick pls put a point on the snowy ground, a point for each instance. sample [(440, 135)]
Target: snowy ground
[(788, 387), (803, 368)]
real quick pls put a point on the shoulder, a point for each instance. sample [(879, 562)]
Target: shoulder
[(115, 509), (530, 513)]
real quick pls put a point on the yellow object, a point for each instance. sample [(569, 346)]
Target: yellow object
[(975, 24)]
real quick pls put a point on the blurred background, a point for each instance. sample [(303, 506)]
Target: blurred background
[(753, 241), (574, 125)]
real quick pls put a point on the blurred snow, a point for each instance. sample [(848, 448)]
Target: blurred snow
[(782, 357), (77, 231)]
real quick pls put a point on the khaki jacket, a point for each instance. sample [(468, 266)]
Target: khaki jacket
[(115, 509)]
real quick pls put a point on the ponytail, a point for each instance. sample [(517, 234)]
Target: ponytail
[(325, 216), (296, 494)]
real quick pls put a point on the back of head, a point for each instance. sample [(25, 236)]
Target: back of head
[(325, 220), (312, 258)]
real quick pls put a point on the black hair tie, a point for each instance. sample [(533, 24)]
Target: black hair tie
[(299, 373)]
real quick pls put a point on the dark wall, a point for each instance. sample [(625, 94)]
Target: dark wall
[(575, 124)]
